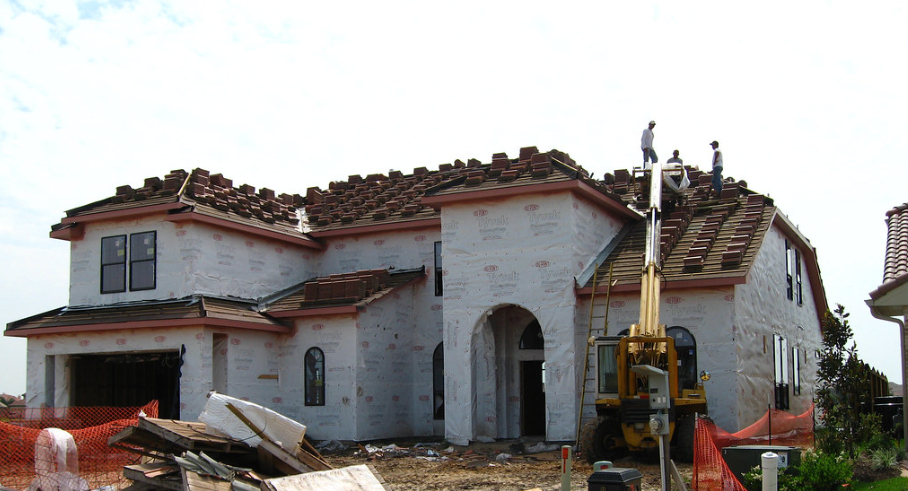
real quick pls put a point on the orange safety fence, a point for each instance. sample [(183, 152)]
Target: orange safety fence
[(710, 471), (31, 443)]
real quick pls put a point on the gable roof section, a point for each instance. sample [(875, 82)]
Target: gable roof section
[(196, 196), (340, 293), (706, 241), (397, 201), (895, 265), (532, 172), (192, 311)]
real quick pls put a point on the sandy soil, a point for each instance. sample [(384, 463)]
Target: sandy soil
[(502, 466)]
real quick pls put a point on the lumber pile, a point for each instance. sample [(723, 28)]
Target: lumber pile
[(232, 452)]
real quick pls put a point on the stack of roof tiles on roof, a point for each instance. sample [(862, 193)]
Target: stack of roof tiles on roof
[(344, 289), (705, 236), (397, 197)]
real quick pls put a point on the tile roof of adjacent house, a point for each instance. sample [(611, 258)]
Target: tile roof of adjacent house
[(353, 289), (191, 311), (895, 265)]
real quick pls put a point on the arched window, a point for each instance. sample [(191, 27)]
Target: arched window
[(438, 382), (315, 377), (532, 337), (686, 347)]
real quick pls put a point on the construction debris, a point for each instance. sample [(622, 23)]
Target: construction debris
[(252, 448)]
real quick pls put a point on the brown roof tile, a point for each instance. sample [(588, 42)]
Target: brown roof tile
[(895, 264), (353, 288)]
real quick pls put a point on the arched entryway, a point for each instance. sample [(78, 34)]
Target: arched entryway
[(509, 374)]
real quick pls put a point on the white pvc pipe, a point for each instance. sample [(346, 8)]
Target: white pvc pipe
[(770, 467)]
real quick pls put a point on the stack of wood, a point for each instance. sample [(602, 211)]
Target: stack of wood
[(186, 456)]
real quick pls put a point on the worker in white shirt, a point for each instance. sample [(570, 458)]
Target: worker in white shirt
[(646, 144), (717, 167)]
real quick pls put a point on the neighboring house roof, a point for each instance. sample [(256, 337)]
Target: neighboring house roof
[(340, 293), (705, 241), (197, 196), (895, 266), (192, 311)]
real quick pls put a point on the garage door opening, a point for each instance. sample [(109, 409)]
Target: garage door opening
[(128, 379)]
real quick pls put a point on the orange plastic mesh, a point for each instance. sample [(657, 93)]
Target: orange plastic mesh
[(710, 471), (22, 439)]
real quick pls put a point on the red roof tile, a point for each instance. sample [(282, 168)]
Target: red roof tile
[(346, 289), (895, 265)]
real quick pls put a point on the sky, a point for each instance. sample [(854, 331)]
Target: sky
[(807, 99)]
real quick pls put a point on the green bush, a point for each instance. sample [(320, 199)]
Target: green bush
[(817, 472)]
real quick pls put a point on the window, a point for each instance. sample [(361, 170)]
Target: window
[(796, 369), (788, 268), (686, 348), (608, 368), (438, 382), (315, 377), (142, 261), (439, 289), (532, 337), (797, 260), (113, 264), (780, 359)]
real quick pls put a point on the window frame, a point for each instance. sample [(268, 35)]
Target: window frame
[(438, 382), (781, 374), (796, 371), (121, 262), (318, 382), (788, 271), (133, 262), (439, 284), (800, 291)]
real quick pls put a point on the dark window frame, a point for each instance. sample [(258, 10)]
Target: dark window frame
[(800, 291), (145, 260), (796, 371), (438, 383), (313, 378), (781, 376), (532, 337), (788, 270), (107, 262), (439, 285)]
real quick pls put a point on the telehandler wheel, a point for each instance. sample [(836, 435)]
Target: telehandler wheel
[(684, 439), (601, 439)]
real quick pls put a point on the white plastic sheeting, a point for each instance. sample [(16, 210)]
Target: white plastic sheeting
[(57, 462), (220, 420)]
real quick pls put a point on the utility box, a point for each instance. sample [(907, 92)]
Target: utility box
[(615, 479), (742, 458)]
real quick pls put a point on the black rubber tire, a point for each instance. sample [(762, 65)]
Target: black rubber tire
[(599, 440), (684, 439)]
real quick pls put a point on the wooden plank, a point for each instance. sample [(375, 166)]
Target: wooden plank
[(311, 463), (284, 457), (353, 478), (137, 473), (193, 481)]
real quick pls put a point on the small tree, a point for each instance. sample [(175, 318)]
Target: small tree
[(843, 385)]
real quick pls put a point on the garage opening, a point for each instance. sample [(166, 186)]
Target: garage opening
[(128, 379)]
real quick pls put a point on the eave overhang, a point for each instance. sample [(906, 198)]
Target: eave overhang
[(434, 222), (191, 216), (113, 326)]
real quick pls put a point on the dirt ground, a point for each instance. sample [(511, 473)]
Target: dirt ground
[(512, 465)]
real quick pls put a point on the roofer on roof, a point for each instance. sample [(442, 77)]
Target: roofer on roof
[(717, 167), (675, 159), (646, 144)]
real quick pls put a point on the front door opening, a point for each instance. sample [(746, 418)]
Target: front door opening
[(532, 374)]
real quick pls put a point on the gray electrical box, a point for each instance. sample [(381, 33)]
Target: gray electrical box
[(659, 395)]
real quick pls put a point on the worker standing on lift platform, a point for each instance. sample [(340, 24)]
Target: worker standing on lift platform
[(646, 144)]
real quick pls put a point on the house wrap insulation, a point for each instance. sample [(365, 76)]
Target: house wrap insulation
[(521, 253)]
